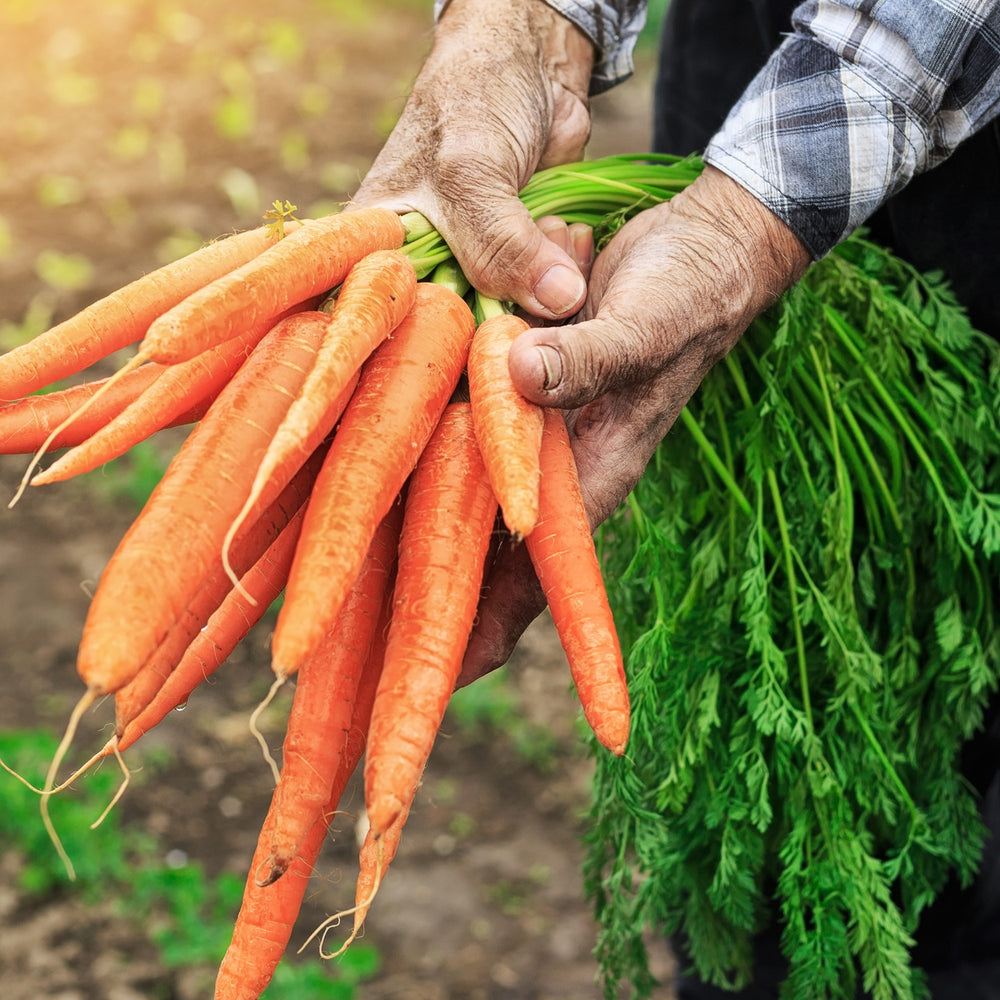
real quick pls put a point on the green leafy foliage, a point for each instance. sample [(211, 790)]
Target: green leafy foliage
[(805, 584), (64, 271)]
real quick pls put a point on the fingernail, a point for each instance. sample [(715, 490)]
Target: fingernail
[(551, 366), (559, 289)]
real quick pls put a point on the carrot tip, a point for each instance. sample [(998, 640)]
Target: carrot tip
[(274, 873)]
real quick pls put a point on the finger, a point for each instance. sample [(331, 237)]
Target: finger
[(505, 254), (581, 248), (555, 230), (570, 366)]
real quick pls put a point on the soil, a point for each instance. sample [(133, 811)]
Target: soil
[(128, 128)]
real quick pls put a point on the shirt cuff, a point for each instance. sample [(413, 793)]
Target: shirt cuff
[(612, 27), (818, 142)]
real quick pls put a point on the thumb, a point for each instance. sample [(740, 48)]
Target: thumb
[(504, 254), (570, 366)]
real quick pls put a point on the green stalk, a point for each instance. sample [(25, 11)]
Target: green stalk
[(486, 308), (887, 497), (792, 439), (710, 453), (908, 430), (789, 561)]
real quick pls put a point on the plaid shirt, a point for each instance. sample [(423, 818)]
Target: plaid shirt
[(861, 96)]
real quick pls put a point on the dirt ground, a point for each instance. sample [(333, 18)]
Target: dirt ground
[(128, 128)]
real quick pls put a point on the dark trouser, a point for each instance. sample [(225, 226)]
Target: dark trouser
[(947, 219)]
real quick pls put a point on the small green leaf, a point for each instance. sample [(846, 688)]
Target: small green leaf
[(73, 89), (283, 41), (147, 96), (295, 155), (235, 117), (54, 191), (131, 142), (66, 272), (6, 239)]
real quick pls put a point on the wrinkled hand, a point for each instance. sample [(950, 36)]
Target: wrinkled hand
[(502, 94), (669, 297)]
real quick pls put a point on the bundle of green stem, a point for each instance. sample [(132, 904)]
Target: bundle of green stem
[(805, 581), (602, 193)]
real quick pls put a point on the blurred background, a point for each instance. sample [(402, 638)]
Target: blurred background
[(131, 132)]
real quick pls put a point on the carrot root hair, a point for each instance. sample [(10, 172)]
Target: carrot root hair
[(333, 921), (255, 728), (87, 699), (62, 786), (126, 778)]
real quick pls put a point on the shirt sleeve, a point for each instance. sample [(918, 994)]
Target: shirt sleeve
[(612, 25), (858, 99)]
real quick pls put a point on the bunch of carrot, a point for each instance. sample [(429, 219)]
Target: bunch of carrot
[(357, 445)]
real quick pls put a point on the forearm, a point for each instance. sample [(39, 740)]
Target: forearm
[(853, 105)]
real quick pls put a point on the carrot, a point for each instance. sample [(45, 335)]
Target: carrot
[(267, 914), (321, 711), (508, 426), (166, 552), (403, 390), (306, 263), (311, 260), (179, 388), (449, 515), (27, 423), (373, 300), (131, 699), (240, 611), (565, 560), (124, 316), (374, 858)]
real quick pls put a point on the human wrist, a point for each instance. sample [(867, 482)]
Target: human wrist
[(769, 253), (529, 28)]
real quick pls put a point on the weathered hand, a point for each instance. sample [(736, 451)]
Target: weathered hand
[(669, 297), (502, 93)]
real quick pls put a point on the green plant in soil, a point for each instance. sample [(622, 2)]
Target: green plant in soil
[(490, 708), (189, 914)]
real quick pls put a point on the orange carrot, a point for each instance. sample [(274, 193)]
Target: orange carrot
[(323, 704), (27, 423), (303, 265), (165, 554), (240, 611), (267, 914), (124, 316), (565, 560), (179, 388), (403, 390), (373, 300), (310, 261), (508, 426), (374, 858), (449, 515), (131, 699)]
